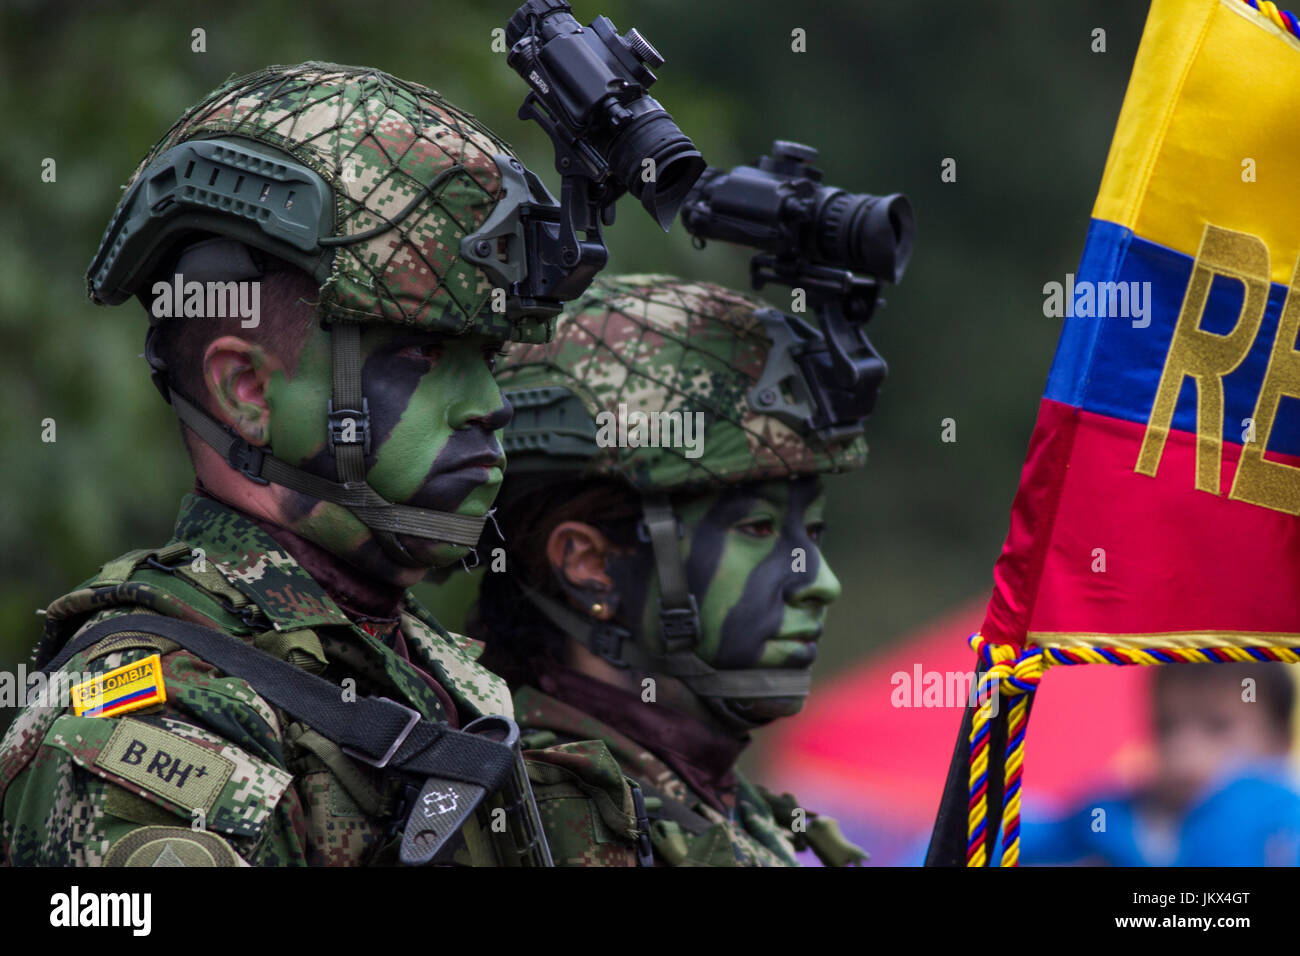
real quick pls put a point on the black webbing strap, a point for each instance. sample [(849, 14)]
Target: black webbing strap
[(371, 508), (349, 428), (679, 617), (346, 403), (603, 638), (615, 645), (375, 730)]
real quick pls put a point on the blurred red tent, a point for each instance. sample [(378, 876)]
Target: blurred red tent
[(879, 768)]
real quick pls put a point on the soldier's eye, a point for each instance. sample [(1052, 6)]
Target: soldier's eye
[(816, 530), (491, 353), (757, 528)]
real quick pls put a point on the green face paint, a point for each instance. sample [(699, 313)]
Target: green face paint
[(435, 411), (758, 576), (753, 563)]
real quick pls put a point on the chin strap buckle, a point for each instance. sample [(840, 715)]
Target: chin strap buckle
[(346, 420), (679, 626), (605, 640), (247, 460)]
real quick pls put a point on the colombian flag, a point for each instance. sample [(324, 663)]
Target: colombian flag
[(1159, 499)]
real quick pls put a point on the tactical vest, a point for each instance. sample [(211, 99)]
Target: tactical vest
[(215, 773), (684, 830)]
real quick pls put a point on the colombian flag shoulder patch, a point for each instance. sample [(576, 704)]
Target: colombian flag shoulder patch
[(121, 690)]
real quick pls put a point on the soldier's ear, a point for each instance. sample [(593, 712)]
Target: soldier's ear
[(577, 554), (236, 373)]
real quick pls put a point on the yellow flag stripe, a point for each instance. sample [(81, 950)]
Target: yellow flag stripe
[(1208, 131)]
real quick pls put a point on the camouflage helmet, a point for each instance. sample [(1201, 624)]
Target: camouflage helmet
[(677, 353), (402, 207), (370, 183)]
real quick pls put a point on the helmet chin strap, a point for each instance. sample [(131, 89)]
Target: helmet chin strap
[(679, 628), (349, 438), (348, 406)]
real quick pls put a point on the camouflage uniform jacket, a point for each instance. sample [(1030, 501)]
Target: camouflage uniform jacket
[(215, 775), (701, 836)]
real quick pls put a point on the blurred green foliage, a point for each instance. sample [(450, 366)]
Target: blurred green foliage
[(886, 91)]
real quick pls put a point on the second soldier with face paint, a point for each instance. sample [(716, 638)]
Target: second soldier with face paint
[(663, 597)]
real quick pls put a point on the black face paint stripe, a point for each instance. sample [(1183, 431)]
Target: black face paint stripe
[(631, 575), (803, 492), (449, 480), (710, 537), (770, 586), (388, 383)]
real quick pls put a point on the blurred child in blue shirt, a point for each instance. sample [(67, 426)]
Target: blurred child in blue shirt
[(1222, 793)]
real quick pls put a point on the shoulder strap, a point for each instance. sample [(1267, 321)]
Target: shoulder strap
[(201, 595), (375, 730)]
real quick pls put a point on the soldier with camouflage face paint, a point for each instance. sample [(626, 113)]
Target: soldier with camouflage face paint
[(344, 443), (678, 574)]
